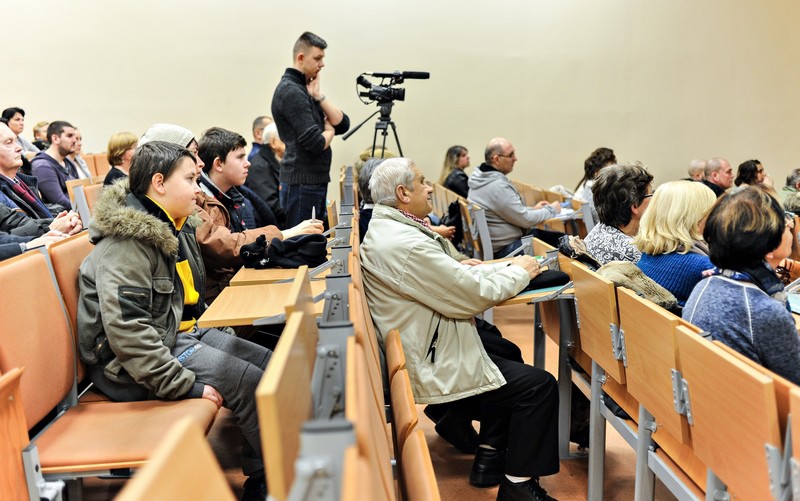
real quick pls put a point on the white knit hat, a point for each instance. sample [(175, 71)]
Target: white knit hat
[(174, 134)]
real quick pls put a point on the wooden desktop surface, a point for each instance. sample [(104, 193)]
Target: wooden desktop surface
[(252, 276), (529, 296), (244, 304)]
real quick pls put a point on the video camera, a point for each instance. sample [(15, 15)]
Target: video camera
[(385, 92)]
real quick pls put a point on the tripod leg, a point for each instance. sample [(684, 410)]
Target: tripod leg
[(396, 140)]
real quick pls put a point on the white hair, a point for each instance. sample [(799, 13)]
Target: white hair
[(270, 131), (390, 174)]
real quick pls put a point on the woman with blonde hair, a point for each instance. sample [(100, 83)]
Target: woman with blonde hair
[(120, 152), (671, 237), (453, 176)]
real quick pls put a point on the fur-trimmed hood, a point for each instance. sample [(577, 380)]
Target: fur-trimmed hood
[(120, 214)]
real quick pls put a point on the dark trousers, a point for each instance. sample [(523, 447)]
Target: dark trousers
[(231, 365), (521, 416), (234, 367), (298, 199)]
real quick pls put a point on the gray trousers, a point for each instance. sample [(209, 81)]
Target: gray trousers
[(234, 367)]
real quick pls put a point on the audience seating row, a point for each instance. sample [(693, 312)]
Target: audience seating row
[(703, 419), (71, 438), (97, 163)]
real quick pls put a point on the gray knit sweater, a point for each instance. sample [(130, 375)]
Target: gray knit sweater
[(300, 123), (507, 217), (745, 318)]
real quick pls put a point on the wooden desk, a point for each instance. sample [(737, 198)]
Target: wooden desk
[(251, 276), (244, 304)]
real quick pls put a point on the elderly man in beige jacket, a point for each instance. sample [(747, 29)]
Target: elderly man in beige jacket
[(414, 284)]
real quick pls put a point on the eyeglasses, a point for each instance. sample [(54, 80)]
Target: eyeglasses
[(789, 218), (649, 195), (510, 155)]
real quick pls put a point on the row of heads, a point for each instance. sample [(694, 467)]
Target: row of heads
[(740, 227)]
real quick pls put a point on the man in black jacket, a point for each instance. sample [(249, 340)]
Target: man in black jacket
[(307, 122), (265, 172)]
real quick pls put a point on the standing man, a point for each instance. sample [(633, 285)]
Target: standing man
[(258, 135), (719, 175), (307, 122), (53, 168)]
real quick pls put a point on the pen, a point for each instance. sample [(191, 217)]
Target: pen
[(313, 213)]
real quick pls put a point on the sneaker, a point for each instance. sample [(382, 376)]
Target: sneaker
[(523, 491)]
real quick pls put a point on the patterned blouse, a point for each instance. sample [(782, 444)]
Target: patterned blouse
[(605, 243)]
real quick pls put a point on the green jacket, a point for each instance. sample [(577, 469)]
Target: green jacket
[(414, 285), (131, 299)]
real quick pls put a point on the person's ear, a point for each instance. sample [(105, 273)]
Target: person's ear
[(401, 193), (157, 183), (217, 164)]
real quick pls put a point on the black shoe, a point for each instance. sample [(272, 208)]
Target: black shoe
[(458, 432), (523, 491), (488, 468), (255, 489)]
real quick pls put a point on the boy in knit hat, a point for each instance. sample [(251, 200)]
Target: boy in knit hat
[(219, 245)]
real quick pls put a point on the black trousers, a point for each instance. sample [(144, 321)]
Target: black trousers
[(521, 416)]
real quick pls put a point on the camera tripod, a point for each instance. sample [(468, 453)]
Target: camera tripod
[(383, 124)]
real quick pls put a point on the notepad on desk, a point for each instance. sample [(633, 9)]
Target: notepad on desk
[(794, 302)]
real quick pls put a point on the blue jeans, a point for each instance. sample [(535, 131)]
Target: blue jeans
[(298, 199)]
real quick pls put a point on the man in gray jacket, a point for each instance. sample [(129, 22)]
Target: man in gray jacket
[(507, 216), (413, 283)]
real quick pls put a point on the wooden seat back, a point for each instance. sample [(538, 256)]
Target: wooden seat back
[(419, 479), (404, 410), (89, 159), (182, 467), (13, 438), (395, 356), (367, 419), (301, 299), (734, 415), (476, 231), (357, 482), (794, 409), (553, 196), (652, 355), (92, 192), (333, 214), (66, 257), (283, 398), (783, 386), (101, 165), (36, 336), (597, 312), (369, 342), (439, 199), (72, 183)]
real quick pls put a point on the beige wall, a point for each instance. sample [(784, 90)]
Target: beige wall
[(661, 81)]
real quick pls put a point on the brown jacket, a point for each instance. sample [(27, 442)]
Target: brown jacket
[(219, 246)]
